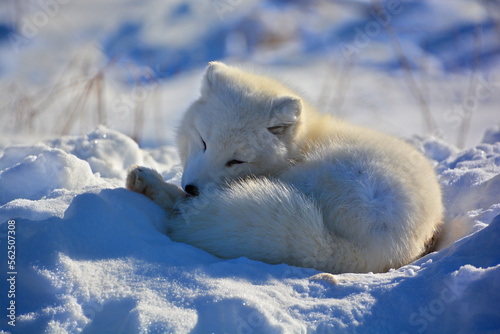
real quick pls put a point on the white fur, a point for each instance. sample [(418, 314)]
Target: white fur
[(312, 191)]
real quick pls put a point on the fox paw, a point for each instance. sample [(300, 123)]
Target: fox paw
[(142, 180), (149, 182)]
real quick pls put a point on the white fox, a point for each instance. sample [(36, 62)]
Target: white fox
[(271, 179)]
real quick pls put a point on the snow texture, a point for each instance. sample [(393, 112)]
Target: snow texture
[(93, 258)]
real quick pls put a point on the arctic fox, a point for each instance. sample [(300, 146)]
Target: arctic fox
[(269, 178)]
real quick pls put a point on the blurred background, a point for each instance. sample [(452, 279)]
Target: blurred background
[(427, 67)]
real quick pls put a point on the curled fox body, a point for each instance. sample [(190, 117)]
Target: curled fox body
[(271, 179)]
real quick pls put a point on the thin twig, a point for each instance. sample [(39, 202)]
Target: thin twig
[(82, 100), (101, 116), (430, 123)]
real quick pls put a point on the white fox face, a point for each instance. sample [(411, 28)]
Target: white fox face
[(239, 126)]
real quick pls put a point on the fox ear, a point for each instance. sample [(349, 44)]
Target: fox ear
[(285, 114), (212, 75)]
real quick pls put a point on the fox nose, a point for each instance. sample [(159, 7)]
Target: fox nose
[(192, 190)]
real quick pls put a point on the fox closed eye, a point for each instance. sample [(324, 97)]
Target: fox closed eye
[(278, 130), (234, 162), (204, 145)]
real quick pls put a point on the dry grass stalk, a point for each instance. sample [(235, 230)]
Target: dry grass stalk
[(430, 123)]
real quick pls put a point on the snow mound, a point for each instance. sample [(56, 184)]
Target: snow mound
[(108, 152), (92, 257), (37, 171)]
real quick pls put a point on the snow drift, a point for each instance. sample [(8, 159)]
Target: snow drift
[(91, 256)]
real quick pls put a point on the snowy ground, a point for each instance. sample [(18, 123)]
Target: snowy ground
[(91, 257)]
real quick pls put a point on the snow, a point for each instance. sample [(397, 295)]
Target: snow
[(92, 257)]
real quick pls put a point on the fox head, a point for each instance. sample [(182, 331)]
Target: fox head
[(242, 124)]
